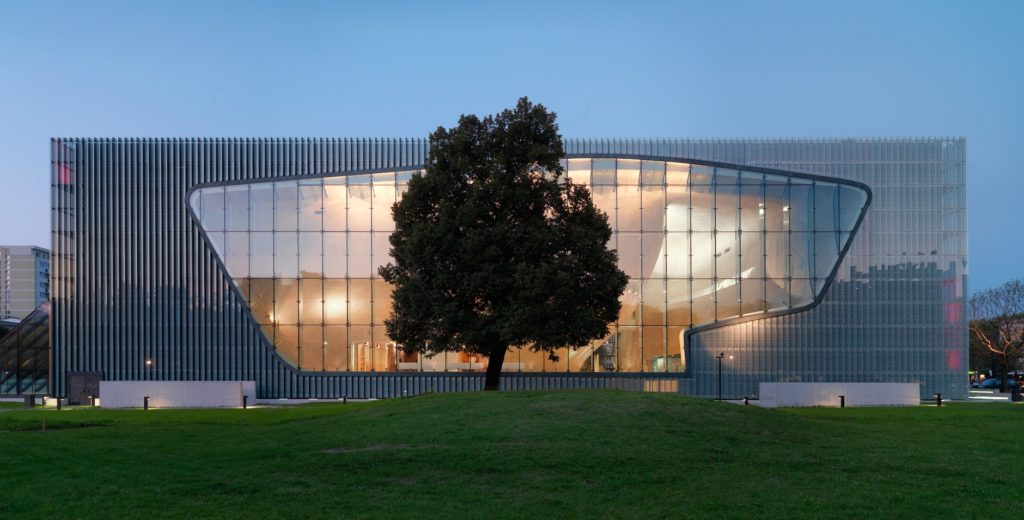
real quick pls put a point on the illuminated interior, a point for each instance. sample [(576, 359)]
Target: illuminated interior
[(700, 244)]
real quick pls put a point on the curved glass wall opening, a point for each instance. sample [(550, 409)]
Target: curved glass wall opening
[(700, 244)]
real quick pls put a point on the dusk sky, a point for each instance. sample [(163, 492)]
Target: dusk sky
[(622, 69)]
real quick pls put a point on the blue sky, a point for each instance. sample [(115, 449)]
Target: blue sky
[(622, 69)]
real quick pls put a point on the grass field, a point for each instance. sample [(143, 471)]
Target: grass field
[(527, 455)]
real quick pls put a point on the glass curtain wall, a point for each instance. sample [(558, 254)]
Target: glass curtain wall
[(25, 355), (700, 244)]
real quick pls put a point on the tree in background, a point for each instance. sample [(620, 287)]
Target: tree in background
[(997, 324), (494, 248), (980, 356)]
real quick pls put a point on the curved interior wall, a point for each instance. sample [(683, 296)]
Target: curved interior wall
[(139, 294)]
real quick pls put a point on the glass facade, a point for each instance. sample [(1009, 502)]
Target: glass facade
[(141, 289), (895, 309), (25, 355), (701, 245)]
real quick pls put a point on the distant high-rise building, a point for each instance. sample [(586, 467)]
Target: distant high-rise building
[(24, 280)]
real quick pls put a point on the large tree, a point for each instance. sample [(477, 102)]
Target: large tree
[(495, 248), (981, 359), (997, 324)]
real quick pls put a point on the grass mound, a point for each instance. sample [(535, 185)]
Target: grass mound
[(529, 454)]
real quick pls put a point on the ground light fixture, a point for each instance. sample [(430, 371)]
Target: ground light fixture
[(719, 357)]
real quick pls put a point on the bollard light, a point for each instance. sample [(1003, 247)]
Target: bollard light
[(145, 403), (938, 399), (746, 401), (719, 357), (245, 402), (344, 399), (842, 401), (58, 403)]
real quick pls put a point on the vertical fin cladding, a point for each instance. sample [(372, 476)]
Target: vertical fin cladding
[(851, 331)]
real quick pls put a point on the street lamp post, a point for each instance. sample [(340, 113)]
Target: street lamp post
[(719, 357)]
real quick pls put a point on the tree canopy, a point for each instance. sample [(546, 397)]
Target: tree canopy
[(494, 247)]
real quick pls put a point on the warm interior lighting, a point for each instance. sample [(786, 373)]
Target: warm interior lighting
[(695, 255), (334, 308)]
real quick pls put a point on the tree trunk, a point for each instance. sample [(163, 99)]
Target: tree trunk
[(1005, 382), (497, 358)]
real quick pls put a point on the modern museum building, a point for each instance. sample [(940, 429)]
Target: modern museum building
[(788, 260)]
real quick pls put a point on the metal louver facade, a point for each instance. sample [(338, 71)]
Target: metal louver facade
[(139, 293)]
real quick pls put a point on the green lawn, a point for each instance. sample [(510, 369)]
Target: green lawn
[(529, 455)]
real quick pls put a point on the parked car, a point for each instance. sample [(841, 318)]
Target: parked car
[(994, 383)]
